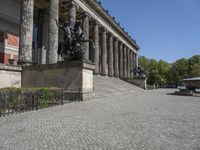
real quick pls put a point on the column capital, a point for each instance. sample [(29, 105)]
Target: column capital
[(127, 48), (116, 39), (120, 46), (103, 29), (124, 46), (73, 4), (120, 43), (86, 15), (95, 23), (110, 34)]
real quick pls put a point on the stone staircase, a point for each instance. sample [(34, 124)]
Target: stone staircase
[(108, 86)]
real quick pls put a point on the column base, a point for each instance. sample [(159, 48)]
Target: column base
[(24, 63), (78, 96), (104, 75)]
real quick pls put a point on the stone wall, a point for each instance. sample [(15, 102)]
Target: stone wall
[(138, 81), (10, 76)]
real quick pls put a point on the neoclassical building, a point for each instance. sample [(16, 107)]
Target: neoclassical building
[(29, 34)]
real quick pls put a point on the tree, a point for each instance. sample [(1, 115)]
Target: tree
[(153, 77), (194, 66), (161, 72), (156, 71), (178, 71), (144, 63), (163, 68)]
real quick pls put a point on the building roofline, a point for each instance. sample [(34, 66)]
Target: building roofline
[(104, 14)]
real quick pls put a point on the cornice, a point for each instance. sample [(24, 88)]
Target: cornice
[(107, 18)]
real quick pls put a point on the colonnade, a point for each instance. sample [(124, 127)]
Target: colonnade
[(111, 56)]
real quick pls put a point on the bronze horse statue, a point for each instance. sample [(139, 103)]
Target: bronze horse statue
[(74, 37)]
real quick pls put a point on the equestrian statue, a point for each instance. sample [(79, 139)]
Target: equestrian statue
[(74, 37)]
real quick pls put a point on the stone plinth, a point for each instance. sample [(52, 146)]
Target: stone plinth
[(138, 81), (74, 75), (187, 92), (10, 76)]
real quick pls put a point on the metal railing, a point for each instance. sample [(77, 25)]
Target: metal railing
[(12, 103), (72, 95)]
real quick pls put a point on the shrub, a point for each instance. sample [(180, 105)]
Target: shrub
[(29, 98)]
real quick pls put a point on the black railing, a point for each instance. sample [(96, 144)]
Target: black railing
[(11, 103), (72, 95)]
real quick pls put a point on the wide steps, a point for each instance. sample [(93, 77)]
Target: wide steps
[(108, 86)]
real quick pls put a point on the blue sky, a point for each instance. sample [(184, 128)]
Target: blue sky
[(164, 29)]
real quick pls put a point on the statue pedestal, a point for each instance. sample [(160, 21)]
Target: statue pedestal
[(138, 81), (76, 76)]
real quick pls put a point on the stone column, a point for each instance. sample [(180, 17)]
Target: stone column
[(136, 60), (125, 61), (133, 61), (72, 13), (121, 60), (45, 30), (96, 43), (128, 62), (110, 55), (26, 32), (116, 58), (134, 65), (104, 68), (53, 32), (86, 18), (131, 64)]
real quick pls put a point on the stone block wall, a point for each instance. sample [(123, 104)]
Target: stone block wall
[(10, 76), (74, 75), (138, 81)]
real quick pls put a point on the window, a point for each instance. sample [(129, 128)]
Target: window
[(12, 40), (1, 57), (2, 37)]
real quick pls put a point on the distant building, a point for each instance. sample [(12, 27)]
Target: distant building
[(9, 30)]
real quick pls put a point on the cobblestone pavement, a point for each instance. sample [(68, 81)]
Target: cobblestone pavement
[(147, 120)]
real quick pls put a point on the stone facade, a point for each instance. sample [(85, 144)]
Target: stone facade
[(33, 27), (10, 76), (113, 46)]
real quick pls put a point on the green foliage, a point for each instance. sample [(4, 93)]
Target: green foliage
[(144, 63), (160, 72), (163, 68), (16, 98), (178, 71), (153, 73), (194, 66), (156, 71), (45, 95)]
